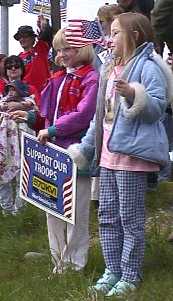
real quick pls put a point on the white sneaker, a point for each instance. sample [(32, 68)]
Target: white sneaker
[(121, 288), (105, 283)]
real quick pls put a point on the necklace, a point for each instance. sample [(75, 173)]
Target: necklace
[(111, 96)]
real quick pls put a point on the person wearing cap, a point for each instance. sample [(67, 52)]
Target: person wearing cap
[(15, 91), (35, 54)]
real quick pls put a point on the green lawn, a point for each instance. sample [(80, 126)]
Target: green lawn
[(27, 280)]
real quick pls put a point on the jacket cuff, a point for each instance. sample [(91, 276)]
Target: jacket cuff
[(77, 156), (139, 102), (31, 118), (52, 131)]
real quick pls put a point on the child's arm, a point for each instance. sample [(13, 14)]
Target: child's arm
[(19, 116), (150, 97), (32, 118), (26, 104)]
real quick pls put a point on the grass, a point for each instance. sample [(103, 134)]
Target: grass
[(27, 280)]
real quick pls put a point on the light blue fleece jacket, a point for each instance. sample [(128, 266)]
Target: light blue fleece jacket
[(137, 127)]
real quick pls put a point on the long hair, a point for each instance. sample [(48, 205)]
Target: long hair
[(136, 31)]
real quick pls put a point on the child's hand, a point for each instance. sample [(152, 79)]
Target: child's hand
[(124, 89), (19, 116), (43, 136)]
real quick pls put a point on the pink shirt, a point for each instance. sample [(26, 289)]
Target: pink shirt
[(117, 161)]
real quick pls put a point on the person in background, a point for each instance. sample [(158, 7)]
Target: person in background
[(3, 80), (15, 91), (67, 106), (35, 54), (162, 22), (144, 7), (14, 69), (127, 140), (105, 15)]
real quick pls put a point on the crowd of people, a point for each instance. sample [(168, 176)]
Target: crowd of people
[(111, 116)]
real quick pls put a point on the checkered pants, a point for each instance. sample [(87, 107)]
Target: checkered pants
[(122, 221)]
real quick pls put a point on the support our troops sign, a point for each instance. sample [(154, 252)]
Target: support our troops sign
[(48, 178), (43, 7)]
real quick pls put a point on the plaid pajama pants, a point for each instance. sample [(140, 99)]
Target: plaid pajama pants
[(122, 221)]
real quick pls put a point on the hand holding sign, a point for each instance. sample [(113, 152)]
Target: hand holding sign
[(43, 136), (48, 177)]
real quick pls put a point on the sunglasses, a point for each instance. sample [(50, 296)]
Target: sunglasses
[(11, 66)]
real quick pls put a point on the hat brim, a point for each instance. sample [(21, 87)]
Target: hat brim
[(18, 35)]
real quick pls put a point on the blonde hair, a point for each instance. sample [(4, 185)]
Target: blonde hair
[(85, 55), (137, 30), (108, 12)]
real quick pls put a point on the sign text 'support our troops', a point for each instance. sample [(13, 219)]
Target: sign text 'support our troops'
[(46, 165), (48, 178)]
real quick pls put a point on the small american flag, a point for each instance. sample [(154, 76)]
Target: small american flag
[(63, 10), (25, 177), (25, 6), (67, 197), (80, 33), (43, 7)]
